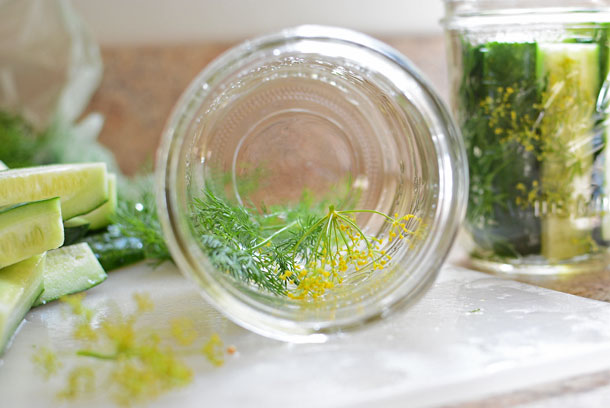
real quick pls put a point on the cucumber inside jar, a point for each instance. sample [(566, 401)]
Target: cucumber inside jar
[(535, 129)]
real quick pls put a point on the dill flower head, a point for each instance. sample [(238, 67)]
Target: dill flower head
[(125, 359)]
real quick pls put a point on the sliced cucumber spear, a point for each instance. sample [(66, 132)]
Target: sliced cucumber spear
[(571, 72), (81, 187), (100, 217), (606, 214), (68, 270), (30, 229), (20, 286)]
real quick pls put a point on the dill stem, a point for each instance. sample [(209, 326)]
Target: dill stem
[(95, 354), (305, 235), (275, 234), (335, 228), (349, 251), (355, 226), (329, 224), (367, 211)]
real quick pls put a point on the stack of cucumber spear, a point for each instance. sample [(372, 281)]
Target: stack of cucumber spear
[(43, 211)]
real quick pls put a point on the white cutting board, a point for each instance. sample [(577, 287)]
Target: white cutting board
[(437, 352)]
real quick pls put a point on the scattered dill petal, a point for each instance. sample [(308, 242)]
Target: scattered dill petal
[(137, 364), (183, 331), (214, 350), (81, 382), (83, 329), (47, 361), (475, 310), (144, 302), (76, 306), (150, 372)]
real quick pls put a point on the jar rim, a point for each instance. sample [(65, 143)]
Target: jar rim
[(466, 15), (452, 193)]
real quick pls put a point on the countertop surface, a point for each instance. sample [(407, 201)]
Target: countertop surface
[(140, 86), (470, 337)]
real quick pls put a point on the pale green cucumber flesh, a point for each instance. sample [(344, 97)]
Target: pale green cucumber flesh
[(100, 217), (68, 270), (606, 215), (571, 72), (81, 187), (30, 229), (3, 166), (605, 227), (20, 286)]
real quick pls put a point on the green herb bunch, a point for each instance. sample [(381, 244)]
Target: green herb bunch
[(299, 251)]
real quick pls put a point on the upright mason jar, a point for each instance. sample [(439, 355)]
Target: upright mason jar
[(529, 89), (310, 118)]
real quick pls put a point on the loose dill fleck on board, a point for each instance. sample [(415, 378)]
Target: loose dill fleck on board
[(128, 360)]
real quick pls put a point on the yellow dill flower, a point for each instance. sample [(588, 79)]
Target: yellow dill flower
[(141, 366), (76, 305), (121, 333), (214, 351), (143, 302), (183, 331), (47, 361), (340, 245), (84, 331), (81, 381), (153, 370)]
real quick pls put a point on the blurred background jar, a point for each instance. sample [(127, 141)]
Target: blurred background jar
[(528, 87)]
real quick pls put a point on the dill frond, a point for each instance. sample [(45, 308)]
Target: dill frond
[(136, 217), (298, 251)]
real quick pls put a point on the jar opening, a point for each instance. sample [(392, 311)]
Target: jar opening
[(328, 160)]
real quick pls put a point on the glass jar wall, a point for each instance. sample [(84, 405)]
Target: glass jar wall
[(310, 181), (529, 90)]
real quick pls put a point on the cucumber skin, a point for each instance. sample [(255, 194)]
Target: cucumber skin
[(54, 239), (74, 234), (114, 250), (80, 200), (100, 217), (27, 276), (55, 265)]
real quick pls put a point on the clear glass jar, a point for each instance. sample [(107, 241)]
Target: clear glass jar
[(323, 115), (529, 92)]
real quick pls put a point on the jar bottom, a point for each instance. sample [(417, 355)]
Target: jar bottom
[(538, 265)]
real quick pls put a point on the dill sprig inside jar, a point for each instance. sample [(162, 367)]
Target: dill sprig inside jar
[(296, 251)]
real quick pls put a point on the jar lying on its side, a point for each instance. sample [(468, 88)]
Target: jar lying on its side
[(310, 181), (529, 89)]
